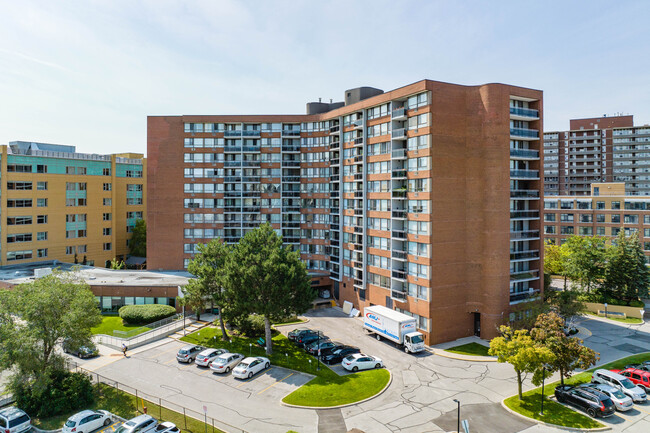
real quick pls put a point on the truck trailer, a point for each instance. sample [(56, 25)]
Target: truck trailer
[(394, 326)]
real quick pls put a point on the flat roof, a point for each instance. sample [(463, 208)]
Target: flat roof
[(17, 274)]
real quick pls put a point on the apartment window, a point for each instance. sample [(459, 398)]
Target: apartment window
[(631, 219), (108, 187), (19, 186), (70, 170), (41, 202), (69, 250), (585, 231), (19, 168), (600, 231), (106, 231), (566, 217), (41, 219), (41, 186), (616, 205), (138, 186), (19, 237), (107, 246), (566, 204), (566, 230), (418, 270), (600, 218), (107, 217), (550, 204), (106, 171), (19, 255), (82, 249), (41, 236), (19, 220), (549, 230), (646, 233), (586, 218), (417, 291), (615, 231), (600, 205), (584, 204), (646, 219), (134, 201), (616, 219), (19, 203), (41, 252), (107, 201), (41, 168), (134, 173), (646, 246), (549, 217)]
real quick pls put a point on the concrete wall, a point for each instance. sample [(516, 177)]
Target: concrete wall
[(635, 312)]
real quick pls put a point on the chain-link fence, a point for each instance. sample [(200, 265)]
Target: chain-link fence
[(164, 410)]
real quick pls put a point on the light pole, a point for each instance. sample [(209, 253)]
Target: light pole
[(606, 310), (458, 423), (250, 349), (318, 357)]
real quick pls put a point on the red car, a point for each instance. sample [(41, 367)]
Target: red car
[(637, 377)]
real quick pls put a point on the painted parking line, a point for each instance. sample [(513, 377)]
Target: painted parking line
[(249, 379), (271, 386), (189, 364), (168, 362), (642, 410), (208, 370)]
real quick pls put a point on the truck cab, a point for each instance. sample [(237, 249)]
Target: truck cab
[(413, 342)]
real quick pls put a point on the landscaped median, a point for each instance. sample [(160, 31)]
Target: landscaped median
[(558, 414), (327, 389)]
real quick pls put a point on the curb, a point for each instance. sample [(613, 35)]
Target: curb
[(304, 320), (390, 380), (445, 354), (574, 429)]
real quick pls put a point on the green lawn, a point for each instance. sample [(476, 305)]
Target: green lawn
[(114, 323), (555, 413), (127, 406), (291, 321), (327, 389), (632, 320), (474, 349)]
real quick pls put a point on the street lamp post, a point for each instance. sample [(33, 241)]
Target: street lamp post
[(318, 356), (606, 310), (458, 423)]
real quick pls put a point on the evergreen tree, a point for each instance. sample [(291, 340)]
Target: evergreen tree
[(626, 274)]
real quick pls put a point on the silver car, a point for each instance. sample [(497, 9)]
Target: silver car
[(189, 353), (207, 356), (226, 362), (621, 401), (139, 424)]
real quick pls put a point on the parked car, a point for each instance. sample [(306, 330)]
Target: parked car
[(80, 350), (14, 420), (621, 401), (86, 421), (595, 403), (208, 355), (644, 366), (298, 331), (226, 362), (621, 382), (337, 355), (139, 424), (188, 354), (328, 350), (313, 348), (166, 427), (639, 377), (307, 339), (250, 366), (359, 361)]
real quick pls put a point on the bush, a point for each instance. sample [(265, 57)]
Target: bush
[(145, 314), (65, 392), (251, 326)]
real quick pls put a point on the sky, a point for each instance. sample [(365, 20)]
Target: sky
[(88, 73)]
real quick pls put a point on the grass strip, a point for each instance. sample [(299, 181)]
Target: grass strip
[(114, 323), (631, 320), (555, 413), (473, 349), (321, 392)]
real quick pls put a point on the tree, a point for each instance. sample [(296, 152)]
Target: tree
[(586, 260), (138, 241), (523, 353), (556, 259), (626, 274), (193, 297), (208, 267), (566, 303), (266, 278), (117, 264), (570, 353), (37, 316)]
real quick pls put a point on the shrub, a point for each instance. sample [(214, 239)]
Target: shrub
[(145, 314), (251, 326), (65, 392)]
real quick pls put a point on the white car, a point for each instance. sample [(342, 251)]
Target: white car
[(621, 401), (225, 362), (207, 356), (166, 427), (359, 361), (86, 421), (250, 366)]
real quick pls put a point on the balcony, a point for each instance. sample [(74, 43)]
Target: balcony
[(232, 149), (401, 214), (232, 164), (524, 112), (399, 153), (399, 255), (251, 133), (525, 275), (358, 158), (524, 193), (524, 133), (334, 161), (250, 179), (399, 193), (524, 153), (401, 275), (401, 174), (399, 134), (358, 140), (524, 234), (524, 214), (335, 129), (335, 144), (251, 163), (232, 179), (231, 133), (399, 114), (398, 234), (290, 178), (524, 174), (291, 133), (357, 123), (530, 295), (524, 255), (287, 148), (398, 296)]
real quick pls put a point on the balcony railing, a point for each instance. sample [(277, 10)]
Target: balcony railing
[(527, 174), (400, 112), (524, 234), (529, 295), (232, 164), (398, 234), (520, 255), (399, 134), (401, 174), (524, 275), (286, 148), (399, 153), (399, 274), (523, 132), (334, 161), (335, 129), (397, 295), (514, 214), (527, 112), (524, 153), (524, 193), (253, 133), (399, 214), (232, 149), (290, 133), (335, 144), (399, 194), (358, 140), (232, 133), (400, 255)]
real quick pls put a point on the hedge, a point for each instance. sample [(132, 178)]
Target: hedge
[(145, 314), (65, 392)]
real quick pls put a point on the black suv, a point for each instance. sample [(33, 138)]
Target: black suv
[(308, 338), (339, 353), (298, 331), (594, 402)]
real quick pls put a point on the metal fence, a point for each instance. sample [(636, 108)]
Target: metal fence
[(159, 407), (146, 337)]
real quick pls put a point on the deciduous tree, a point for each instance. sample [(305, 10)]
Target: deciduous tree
[(586, 260), (626, 275), (556, 258), (138, 241)]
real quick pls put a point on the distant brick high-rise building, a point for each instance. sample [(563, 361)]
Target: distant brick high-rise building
[(425, 199), (600, 149)]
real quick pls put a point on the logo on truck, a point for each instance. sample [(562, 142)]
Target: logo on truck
[(408, 325), (373, 318)]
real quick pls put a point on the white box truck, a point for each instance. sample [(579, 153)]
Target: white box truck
[(393, 326)]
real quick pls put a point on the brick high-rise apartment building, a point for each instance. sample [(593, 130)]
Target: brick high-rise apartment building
[(425, 199), (602, 149)]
